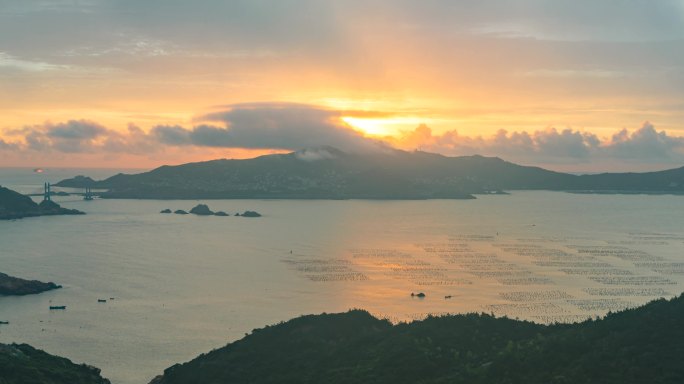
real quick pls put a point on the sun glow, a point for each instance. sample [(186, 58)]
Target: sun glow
[(389, 126)]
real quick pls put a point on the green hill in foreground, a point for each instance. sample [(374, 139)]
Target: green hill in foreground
[(643, 345), (22, 364)]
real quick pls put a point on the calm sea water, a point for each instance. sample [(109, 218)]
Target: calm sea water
[(183, 285)]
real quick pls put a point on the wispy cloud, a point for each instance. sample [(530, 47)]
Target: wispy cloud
[(569, 73), (80, 136), (8, 61)]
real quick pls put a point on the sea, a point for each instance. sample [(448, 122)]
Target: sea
[(177, 286)]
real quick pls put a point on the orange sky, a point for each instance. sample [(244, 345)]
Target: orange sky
[(471, 68)]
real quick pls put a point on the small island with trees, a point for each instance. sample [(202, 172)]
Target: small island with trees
[(14, 205)]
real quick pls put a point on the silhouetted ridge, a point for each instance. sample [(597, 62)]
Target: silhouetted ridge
[(640, 345), (23, 364), (328, 173)]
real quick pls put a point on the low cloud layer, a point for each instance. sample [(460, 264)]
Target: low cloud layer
[(645, 144), (290, 127), (268, 125), (80, 136)]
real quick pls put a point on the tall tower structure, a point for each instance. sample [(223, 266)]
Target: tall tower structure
[(47, 193)]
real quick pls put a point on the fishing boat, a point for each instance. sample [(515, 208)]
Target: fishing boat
[(58, 307), (4, 322)]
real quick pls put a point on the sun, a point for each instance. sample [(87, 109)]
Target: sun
[(370, 127), (385, 126)]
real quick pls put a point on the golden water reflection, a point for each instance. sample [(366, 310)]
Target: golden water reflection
[(543, 279)]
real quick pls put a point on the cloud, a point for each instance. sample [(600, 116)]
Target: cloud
[(134, 141), (576, 73), (552, 145), (80, 136), (315, 154), (74, 136), (5, 146), (172, 135), (646, 143), (257, 126), (269, 125), (565, 143), (12, 62), (76, 130), (293, 127)]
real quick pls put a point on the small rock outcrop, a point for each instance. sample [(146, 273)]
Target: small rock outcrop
[(201, 210), (49, 207), (14, 286), (250, 214)]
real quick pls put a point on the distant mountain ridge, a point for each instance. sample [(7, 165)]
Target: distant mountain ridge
[(328, 173)]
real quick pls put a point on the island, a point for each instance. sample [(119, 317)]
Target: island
[(14, 286), (641, 345), (22, 364), (79, 181), (329, 173), (201, 210), (14, 205), (249, 214), (204, 210)]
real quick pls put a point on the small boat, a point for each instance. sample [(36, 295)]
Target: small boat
[(101, 300), (38, 170), (58, 307), (4, 322)]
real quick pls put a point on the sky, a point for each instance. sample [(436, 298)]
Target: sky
[(571, 85)]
